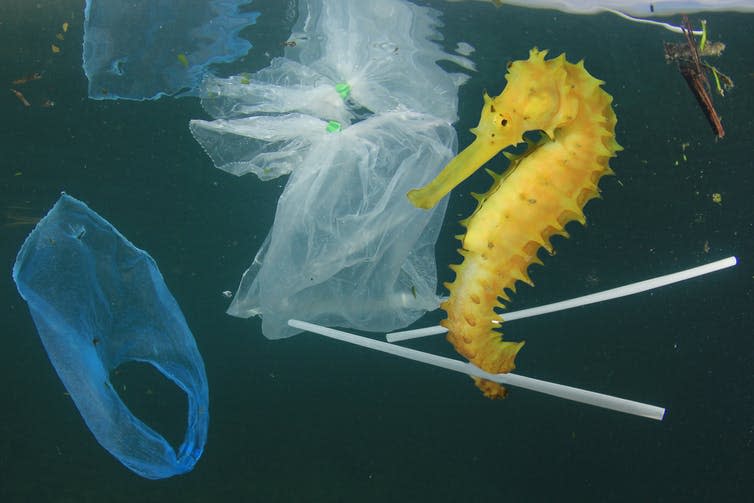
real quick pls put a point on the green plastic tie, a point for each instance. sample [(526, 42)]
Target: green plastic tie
[(343, 89), (333, 127), (703, 41)]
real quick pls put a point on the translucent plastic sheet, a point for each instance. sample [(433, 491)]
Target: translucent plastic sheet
[(644, 8), (358, 113), (98, 302), (284, 86), (385, 51), (268, 146), (345, 60), (347, 248), (143, 49)]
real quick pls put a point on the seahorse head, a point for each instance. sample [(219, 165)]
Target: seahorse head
[(537, 97)]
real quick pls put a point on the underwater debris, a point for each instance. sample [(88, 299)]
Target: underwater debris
[(688, 57), (27, 78), (21, 97)]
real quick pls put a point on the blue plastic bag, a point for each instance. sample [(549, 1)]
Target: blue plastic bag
[(98, 302)]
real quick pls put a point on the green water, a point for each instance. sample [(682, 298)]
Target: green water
[(308, 419)]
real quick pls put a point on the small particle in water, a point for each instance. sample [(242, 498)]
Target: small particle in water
[(55, 48), (183, 59), (717, 198), (65, 27), (228, 294), (27, 78), (465, 49), (21, 98), (592, 279)]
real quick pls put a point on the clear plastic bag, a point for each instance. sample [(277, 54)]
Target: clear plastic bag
[(268, 146), (358, 113), (144, 49), (284, 86), (346, 60), (636, 8), (385, 52), (347, 248)]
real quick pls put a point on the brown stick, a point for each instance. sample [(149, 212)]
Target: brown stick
[(696, 78), (696, 85)]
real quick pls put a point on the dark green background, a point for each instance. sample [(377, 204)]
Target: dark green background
[(310, 419)]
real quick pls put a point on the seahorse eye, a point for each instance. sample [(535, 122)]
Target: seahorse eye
[(504, 122)]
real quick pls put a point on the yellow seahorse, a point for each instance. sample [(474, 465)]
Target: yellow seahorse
[(541, 191)]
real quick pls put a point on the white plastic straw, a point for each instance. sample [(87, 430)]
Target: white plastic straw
[(613, 293), (404, 335), (669, 27), (549, 388)]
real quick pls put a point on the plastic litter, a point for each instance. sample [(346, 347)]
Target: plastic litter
[(613, 293), (355, 112), (637, 8), (546, 387), (144, 49), (347, 247), (98, 302)]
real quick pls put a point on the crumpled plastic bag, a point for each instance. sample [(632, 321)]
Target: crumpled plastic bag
[(635, 7), (347, 248), (98, 302), (284, 86), (268, 146), (358, 113), (346, 60), (384, 51)]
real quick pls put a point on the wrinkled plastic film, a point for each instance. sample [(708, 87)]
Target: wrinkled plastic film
[(637, 8), (144, 49), (99, 302), (347, 248), (358, 112)]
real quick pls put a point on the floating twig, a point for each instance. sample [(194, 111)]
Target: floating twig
[(694, 71)]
